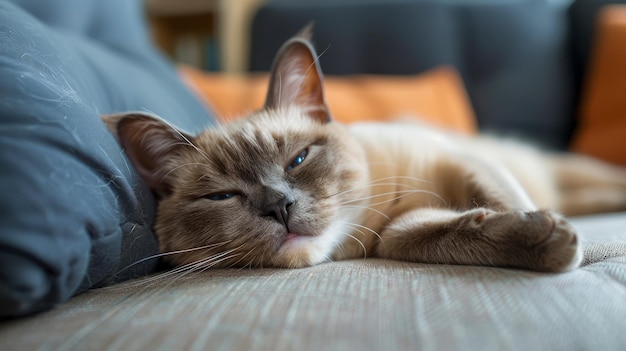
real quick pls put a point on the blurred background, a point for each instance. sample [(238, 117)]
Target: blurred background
[(208, 34), (215, 34), (525, 64)]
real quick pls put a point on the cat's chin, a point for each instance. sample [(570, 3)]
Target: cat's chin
[(298, 251), (296, 242), (293, 239)]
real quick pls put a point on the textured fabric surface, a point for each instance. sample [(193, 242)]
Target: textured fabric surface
[(436, 96), (353, 305), (72, 210), (512, 55)]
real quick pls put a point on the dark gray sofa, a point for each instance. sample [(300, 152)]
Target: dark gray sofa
[(522, 61)]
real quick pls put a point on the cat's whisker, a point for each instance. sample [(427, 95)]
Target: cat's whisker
[(183, 270), (199, 267), (172, 253), (360, 231), (203, 265), (420, 180), (403, 193), (356, 226), (358, 241), (241, 258), (402, 196), (327, 258), (149, 281), (370, 186), (374, 183), (370, 209), (227, 252), (180, 270), (249, 265), (338, 243)]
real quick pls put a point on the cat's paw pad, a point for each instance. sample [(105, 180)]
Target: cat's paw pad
[(477, 216)]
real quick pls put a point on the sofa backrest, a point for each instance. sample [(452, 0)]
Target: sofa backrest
[(513, 56)]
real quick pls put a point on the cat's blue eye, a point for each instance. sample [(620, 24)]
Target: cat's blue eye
[(298, 160), (220, 196)]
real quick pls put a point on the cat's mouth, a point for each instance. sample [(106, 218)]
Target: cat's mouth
[(296, 234), (291, 236), (294, 239)]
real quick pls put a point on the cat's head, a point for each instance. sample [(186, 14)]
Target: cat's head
[(279, 187)]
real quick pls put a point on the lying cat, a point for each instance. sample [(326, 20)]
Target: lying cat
[(288, 187)]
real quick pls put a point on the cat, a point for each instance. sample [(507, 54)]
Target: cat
[(286, 186)]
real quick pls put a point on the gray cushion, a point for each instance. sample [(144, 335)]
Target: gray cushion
[(73, 212)]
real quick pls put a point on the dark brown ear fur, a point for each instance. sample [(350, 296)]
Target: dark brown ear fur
[(149, 143), (296, 78)]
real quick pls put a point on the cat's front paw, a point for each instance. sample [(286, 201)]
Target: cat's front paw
[(558, 247), (537, 240)]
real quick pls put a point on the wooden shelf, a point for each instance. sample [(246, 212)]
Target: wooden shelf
[(183, 29), (181, 7)]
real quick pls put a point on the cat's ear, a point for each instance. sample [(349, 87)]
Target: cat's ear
[(150, 144), (296, 78)]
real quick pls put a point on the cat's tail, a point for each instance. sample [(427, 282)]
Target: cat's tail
[(588, 185)]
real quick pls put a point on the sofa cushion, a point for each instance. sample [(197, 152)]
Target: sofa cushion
[(602, 124), (581, 16), (73, 212), (436, 96)]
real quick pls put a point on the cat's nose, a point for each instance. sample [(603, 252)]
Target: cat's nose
[(279, 210)]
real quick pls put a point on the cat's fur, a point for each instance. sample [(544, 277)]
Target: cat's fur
[(288, 187)]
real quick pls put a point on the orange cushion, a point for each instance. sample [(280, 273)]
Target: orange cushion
[(437, 96), (602, 126)]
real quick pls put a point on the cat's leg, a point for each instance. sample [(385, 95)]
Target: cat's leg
[(489, 220), (588, 185), (537, 240)]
